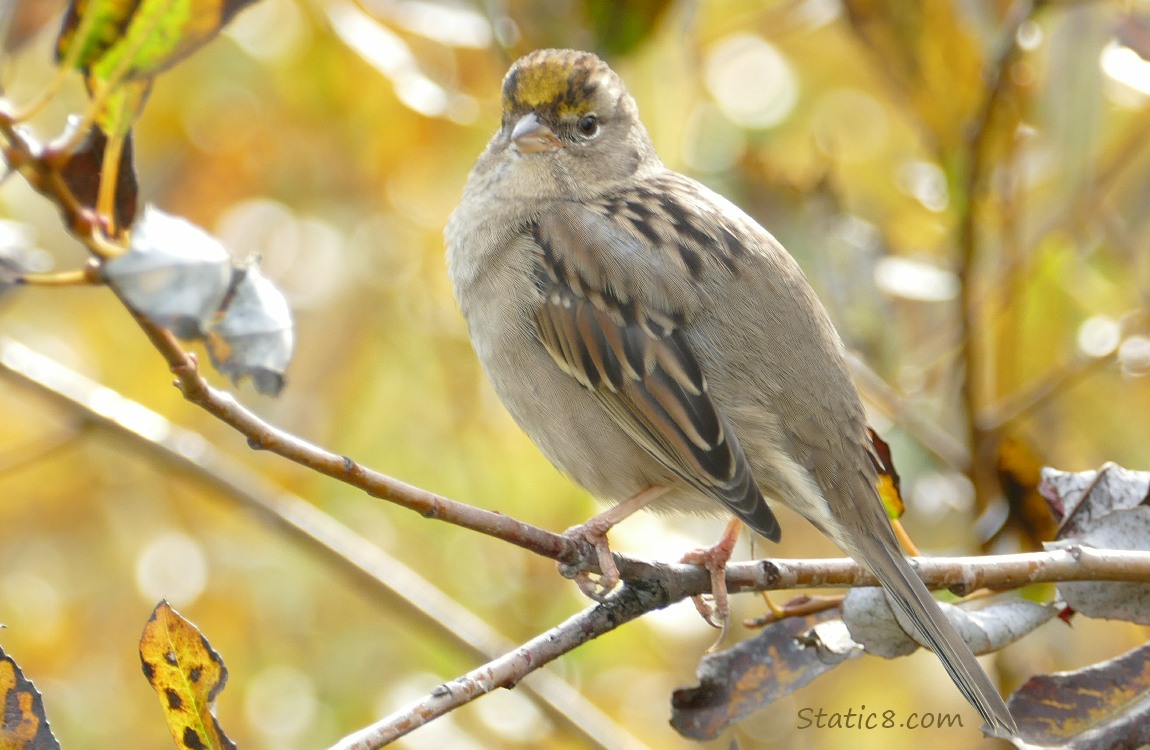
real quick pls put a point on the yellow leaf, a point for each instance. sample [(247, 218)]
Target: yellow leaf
[(187, 674), (889, 484), (25, 726)]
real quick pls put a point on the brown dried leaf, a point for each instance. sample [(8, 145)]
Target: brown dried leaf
[(759, 671), (84, 169), (1106, 705)]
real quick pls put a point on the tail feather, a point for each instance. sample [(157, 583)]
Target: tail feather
[(914, 600)]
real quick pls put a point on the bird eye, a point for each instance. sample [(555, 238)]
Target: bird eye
[(588, 126)]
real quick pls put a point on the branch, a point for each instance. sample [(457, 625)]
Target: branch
[(263, 436), (649, 585), (618, 608), (676, 582), (653, 585), (967, 240), (350, 554)]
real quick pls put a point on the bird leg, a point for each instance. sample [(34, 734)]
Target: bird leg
[(717, 611), (594, 532)]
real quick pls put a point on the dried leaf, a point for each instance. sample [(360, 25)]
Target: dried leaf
[(25, 724), (255, 335), (759, 671), (1113, 600), (1106, 705), (1019, 471), (187, 675), (1077, 499), (174, 273), (884, 631), (83, 171), (889, 484)]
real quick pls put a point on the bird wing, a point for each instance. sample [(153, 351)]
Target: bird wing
[(614, 303)]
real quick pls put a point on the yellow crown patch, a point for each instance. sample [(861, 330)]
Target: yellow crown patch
[(560, 81)]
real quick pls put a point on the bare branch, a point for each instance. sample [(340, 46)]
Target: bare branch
[(676, 582), (651, 585), (620, 607), (351, 554), (967, 241)]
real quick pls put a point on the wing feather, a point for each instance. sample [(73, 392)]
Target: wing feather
[(624, 340)]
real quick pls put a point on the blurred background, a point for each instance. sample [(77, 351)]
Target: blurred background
[(964, 182)]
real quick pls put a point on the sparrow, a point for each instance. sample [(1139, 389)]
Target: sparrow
[(659, 346)]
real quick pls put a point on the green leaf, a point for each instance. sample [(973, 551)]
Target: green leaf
[(93, 26), (126, 39)]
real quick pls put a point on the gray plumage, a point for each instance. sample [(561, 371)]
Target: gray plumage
[(644, 332)]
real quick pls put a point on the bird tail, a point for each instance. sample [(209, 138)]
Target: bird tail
[(914, 600)]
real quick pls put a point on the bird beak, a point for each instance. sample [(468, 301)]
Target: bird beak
[(531, 136)]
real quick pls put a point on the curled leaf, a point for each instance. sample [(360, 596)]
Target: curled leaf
[(1127, 529), (1078, 498), (85, 169), (254, 336), (187, 675), (174, 273), (883, 630)]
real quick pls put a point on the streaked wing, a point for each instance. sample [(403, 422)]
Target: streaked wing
[(622, 338)]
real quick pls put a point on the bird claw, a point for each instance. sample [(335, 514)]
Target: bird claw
[(592, 587), (716, 608)]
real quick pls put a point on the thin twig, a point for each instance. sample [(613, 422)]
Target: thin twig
[(907, 415), (348, 552), (967, 241), (620, 607), (1050, 385), (263, 436)]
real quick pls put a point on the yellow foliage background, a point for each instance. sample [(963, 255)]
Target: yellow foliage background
[(333, 140)]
